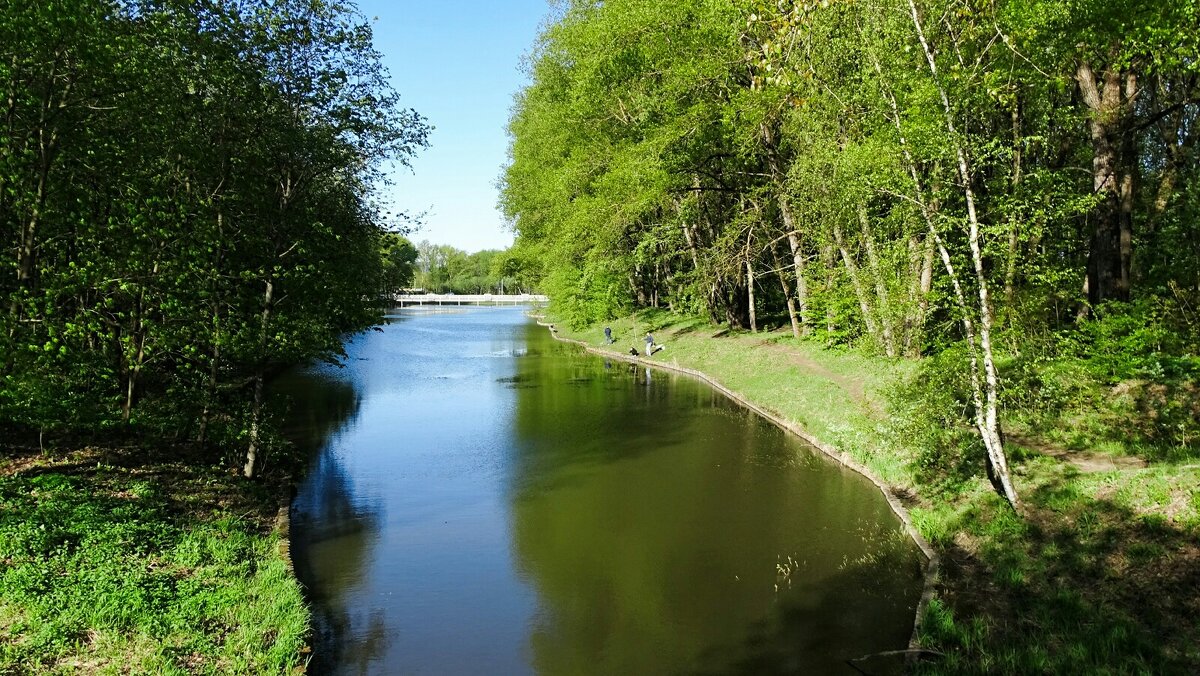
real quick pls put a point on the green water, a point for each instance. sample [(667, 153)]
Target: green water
[(486, 500)]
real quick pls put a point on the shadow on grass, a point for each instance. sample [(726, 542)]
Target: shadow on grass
[(190, 484), (146, 546), (1068, 405), (1078, 585)]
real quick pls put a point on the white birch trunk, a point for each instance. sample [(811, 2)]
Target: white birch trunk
[(987, 417)]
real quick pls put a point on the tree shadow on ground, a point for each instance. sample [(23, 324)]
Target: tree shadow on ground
[(1077, 584), (192, 486)]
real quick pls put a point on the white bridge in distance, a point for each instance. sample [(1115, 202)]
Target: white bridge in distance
[(405, 300)]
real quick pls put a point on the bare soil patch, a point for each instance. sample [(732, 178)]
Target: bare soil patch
[(1082, 460)]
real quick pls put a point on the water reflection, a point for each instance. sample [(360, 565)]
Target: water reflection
[(668, 531), (416, 578), (487, 500), (328, 521)]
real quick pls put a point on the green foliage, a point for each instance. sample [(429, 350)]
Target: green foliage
[(932, 411), (605, 152), (441, 268), (96, 574), (907, 175), (399, 263), (1149, 339), (187, 206), (1124, 382)]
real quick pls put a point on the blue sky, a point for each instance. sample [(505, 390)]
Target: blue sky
[(458, 64)]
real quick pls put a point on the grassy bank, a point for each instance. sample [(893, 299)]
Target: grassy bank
[(124, 560), (1099, 573)]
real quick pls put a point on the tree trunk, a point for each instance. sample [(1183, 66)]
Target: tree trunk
[(733, 301), (986, 416), (27, 247), (787, 294), (884, 305), (856, 282), (789, 224), (47, 148), (210, 390), (827, 261), (1179, 152), (921, 261), (138, 336), (638, 291), (135, 371), (250, 469), (691, 244), (801, 282), (750, 293), (1111, 250)]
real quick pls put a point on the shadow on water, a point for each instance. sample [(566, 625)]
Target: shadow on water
[(326, 514)]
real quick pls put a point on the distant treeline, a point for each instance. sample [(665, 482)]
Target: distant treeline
[(439, 268), (185, 190), (1015, 177)]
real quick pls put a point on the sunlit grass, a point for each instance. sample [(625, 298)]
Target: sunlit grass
[(103, 574)]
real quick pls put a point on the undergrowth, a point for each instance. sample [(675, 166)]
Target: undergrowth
[(106, 569)]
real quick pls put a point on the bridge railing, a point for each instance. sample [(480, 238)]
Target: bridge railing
[(470, 299)]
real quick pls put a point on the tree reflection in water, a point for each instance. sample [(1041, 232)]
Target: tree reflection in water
[(499, 502), (327, 520), (653, 517)]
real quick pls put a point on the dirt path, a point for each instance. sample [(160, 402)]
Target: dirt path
[(1084, 461)]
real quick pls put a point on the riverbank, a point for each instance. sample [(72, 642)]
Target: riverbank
[(1097, 574), (121, 559)]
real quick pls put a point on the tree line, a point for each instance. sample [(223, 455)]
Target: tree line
[(988, 180), (441, 268), (186, 198)]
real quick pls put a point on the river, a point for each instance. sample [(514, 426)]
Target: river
[(486, 500)]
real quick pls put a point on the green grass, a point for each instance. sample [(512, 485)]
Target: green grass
[(143, 568), (1065, 403), (1095, 576), (1098, 572)]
